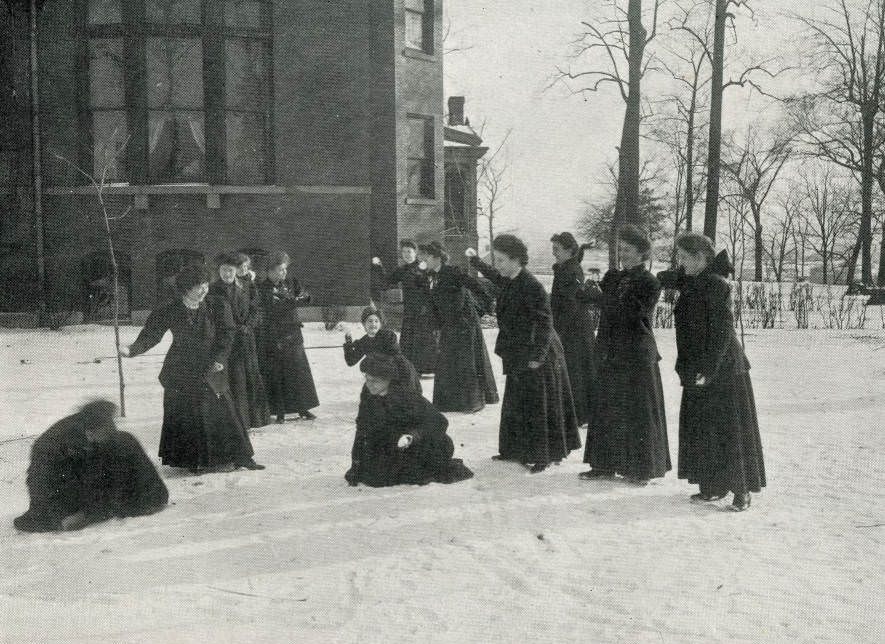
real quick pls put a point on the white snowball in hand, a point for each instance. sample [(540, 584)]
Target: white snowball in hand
[(422, 266), (470, 252), (376, 261), (404, 441)]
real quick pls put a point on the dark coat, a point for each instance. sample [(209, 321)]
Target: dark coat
[(538, 422), (67, 474), (201, 424), (575, 323), (244, 375), (719, 443), (627, 429), (287, 375), (381, 421), (464, 379), (384, 342), (417, 338)]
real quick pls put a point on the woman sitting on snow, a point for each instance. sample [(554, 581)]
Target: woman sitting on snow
[(400, 437), (83, 470), (380, 339)]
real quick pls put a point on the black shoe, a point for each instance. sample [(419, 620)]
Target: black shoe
[(306, 415), (636, 482), (595, 473), (281, 418), (498, 457), (741, 502), (250, 465), (538, 467), (706, 498)]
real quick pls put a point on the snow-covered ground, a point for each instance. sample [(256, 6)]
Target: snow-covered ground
[(292, 554)]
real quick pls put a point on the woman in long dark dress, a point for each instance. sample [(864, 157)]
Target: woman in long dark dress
[(627, 432), (417, 338), (400, 437), (381, 340), (464, 379), (287, 375), (538, 422), (719, 444), (574, 322), (201, 425), (246, 383)]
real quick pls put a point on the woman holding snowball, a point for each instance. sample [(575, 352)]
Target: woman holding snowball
[(381, 340), (719, 444), (538, 422)]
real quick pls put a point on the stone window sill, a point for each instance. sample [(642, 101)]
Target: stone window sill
[(418, 54), (420, 201)]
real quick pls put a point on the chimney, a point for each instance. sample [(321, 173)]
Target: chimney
[(456, 110)]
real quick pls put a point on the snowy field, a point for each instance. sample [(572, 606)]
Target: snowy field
[(292, 554)]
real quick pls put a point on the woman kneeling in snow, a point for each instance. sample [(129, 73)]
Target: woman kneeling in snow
[(83, 471), (400, 437)]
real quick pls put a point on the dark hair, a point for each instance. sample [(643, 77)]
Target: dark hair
[(371, 310), (567, 241), (408, 243), (696, 244), (99, 410), (241, 258), (380, 366), (228, 259), (512, 246), (435, 249), (189, 277), (277, 258), (637, 238)]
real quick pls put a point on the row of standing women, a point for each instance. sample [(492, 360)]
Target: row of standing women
[(237, 354)]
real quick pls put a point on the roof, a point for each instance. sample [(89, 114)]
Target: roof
[(461, 134)]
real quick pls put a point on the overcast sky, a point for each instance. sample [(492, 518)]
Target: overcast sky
[(559, 143)]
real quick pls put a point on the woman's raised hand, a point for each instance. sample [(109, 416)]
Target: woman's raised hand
[(422, 266), (376, 261), (405, 441), (348, 337), (124, 350), (470, 252)]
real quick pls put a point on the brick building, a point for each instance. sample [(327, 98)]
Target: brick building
[(311, 127)]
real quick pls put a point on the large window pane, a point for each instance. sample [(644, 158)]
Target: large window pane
[(420, 169), (246, 14), (174, 12), (415, 29), (176, 146), (175, 73), (109, 137), (247, 78), (104, 12), (106, 72), (246, 152)]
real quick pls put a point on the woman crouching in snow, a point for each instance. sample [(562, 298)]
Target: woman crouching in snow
[(400, 437), (380, 339), (719, 444)]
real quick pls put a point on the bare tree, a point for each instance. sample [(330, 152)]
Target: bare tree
[(829, 212), (753, 170), (620, 38), (780, 240), (737, 216), (839, 122), (492, 181), (99, 183)]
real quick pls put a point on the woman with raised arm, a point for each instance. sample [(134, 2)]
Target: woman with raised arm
[(287, 374), (719, 444), (628, 434), (201, 425), (464, 379), (538, 423), (573, 322), (246, 383), (417, 338), (380, 340)]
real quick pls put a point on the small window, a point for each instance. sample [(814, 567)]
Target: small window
[(247, 93), (246, 14), (174, 12), (419, 25), (420, 157), (105, 12)]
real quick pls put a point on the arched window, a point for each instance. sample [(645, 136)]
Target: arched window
[(97, 285), (169, 264)]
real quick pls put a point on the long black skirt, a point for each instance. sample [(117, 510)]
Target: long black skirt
[(627, 431), (719, 444), (246, 382), (538, 422), (464, 379), (582, 371), (289, 380), (418, 342), (202, 429)]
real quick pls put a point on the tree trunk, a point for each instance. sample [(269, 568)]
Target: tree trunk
[(36, 156), (866, 197), (758, 242), (852, 261), (491, 235), (689, 160), (715, 145)]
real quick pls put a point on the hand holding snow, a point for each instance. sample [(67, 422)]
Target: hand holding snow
[(376, 261), (470, 252), (405, 441)]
